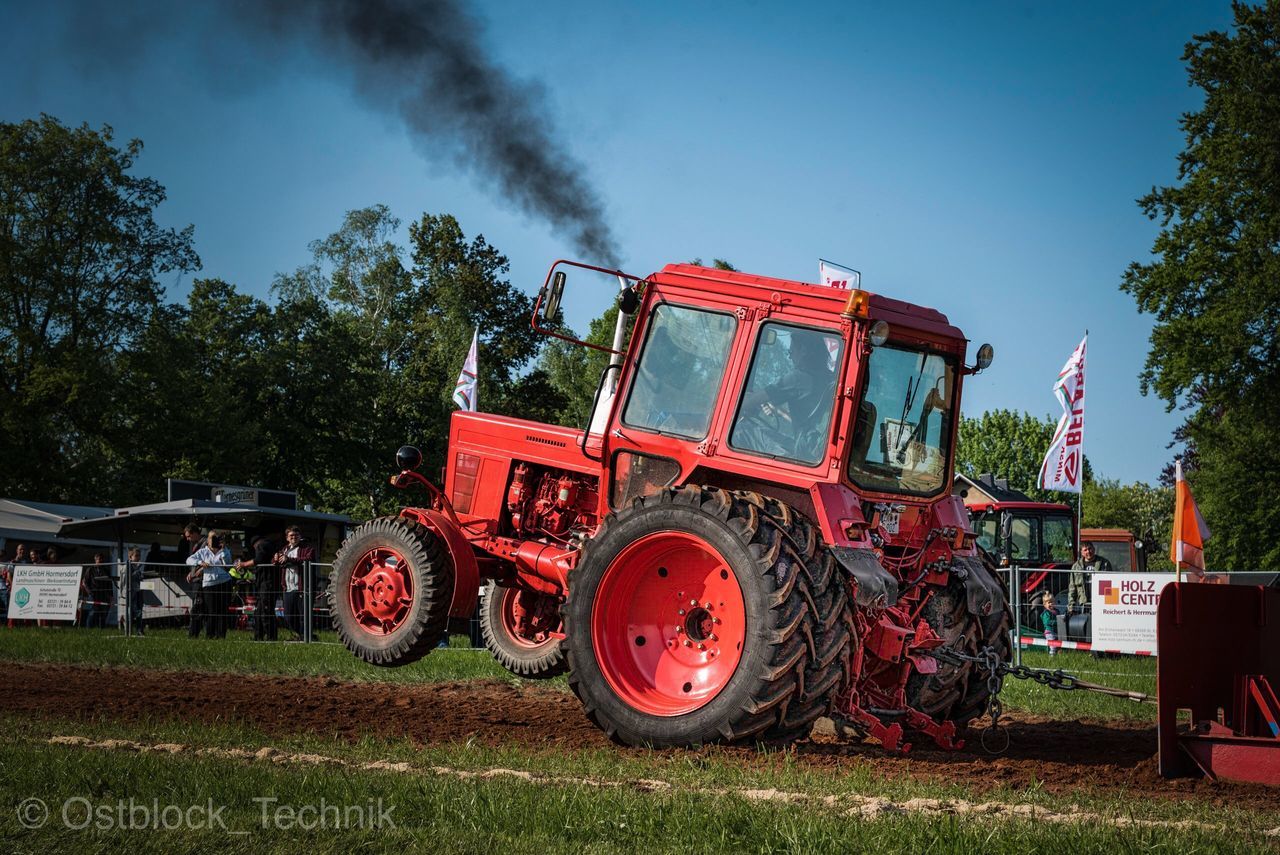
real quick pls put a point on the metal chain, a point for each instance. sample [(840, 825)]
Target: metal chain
[(990, 661)]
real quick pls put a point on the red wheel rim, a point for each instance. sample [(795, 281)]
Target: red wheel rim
[(668, 623), (381, 591), (512, 611)]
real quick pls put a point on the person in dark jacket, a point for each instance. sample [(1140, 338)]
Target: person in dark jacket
[(266, 585), (101, 589), (294, 560)]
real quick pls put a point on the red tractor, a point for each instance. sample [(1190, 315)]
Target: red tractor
[(756, 530)]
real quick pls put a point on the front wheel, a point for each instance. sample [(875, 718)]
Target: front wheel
[(390, 591), (522, 629)]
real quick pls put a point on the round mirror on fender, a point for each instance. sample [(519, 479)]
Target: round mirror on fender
[(879, 333), (408, 457), (628, 301), (986, 353)]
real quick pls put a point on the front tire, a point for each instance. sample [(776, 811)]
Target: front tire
[(690, 620), (539, 657), (390, 591)]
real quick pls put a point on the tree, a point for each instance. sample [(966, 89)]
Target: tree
[(1214, 285), (398, 335), (574, 371), (80, 261), (1139, 508), (1009, 444)]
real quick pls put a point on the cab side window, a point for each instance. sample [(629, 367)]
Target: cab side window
[(680, 370), (790, 393)]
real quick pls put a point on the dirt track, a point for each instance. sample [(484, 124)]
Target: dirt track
[(1059, 756)]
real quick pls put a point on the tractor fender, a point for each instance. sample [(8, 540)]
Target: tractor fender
[(466, 570), (876, 586), (981, 588)]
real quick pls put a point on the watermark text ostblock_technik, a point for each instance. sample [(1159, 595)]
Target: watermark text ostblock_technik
[(81, 814)]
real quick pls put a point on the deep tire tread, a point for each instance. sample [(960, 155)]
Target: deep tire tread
[(433, 590), (804, 665), (540, 663)]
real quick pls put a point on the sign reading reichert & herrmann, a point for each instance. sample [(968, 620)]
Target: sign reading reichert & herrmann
[(44, 592)]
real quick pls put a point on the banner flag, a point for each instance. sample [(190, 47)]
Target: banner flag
[(836, 276), (465, 393), (1063, 467), (1189, 529)]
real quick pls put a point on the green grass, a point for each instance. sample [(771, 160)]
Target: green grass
[(1132, 673), (444, 814), (171, 650)]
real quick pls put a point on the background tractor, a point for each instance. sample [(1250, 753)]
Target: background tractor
[(755, 529)]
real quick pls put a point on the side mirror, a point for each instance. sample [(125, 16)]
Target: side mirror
[(628, 301), (986, 353), (408, 457), (1006, 535), (551, 305)]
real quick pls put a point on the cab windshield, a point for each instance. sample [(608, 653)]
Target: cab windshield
[(903, 432)]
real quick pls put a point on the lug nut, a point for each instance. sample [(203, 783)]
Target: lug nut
[(702, 647), (715, 637), (693, 603), (679, 630), (688, 643), (679, 611), (715, 620)]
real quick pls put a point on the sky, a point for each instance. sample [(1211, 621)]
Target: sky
[(978, 158)]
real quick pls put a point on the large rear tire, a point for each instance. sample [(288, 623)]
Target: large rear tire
[(390, 591), (959, 692), (535, 658), (835, 640), (690, 620)]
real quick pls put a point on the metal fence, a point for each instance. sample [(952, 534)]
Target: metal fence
[(163, 594)]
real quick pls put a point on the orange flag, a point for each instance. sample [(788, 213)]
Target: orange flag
[(1189, 530)]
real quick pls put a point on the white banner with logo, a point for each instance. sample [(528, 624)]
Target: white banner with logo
[(44, 592), (1063, 467), (836, 276), (1124, 611)]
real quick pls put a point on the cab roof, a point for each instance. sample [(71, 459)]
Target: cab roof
[(895, 312)]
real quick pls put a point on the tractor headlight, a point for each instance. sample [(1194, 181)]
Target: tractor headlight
[(879, 333)]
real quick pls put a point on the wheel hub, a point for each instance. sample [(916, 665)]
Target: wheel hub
[(381, 591), (668, 623)]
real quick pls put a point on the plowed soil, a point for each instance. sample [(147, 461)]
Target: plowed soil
[(1059, 756)]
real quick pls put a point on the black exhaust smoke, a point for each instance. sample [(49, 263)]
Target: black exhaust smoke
[(422, 61)]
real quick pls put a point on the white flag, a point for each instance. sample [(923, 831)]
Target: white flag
[(835, 276), (465, 394), (1063, 467)]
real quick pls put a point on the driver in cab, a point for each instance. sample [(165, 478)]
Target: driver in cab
[(778, 418)]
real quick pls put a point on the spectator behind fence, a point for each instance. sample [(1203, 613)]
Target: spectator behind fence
[(294, 560), (135, 574), (211, 562), (98, 582), (1090, 562), (266, 585), (1049, 620), (191, 542)]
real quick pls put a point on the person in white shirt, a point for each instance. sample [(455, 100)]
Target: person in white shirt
[(213, 562)]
